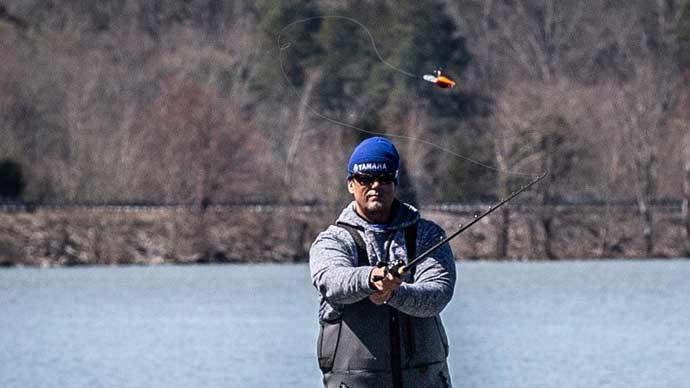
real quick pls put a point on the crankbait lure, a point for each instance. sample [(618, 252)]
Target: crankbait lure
[(439, 79)]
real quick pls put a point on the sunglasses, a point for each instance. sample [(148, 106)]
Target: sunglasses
[(368, 180)]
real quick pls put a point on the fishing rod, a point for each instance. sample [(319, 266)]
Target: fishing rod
[(398, 268)]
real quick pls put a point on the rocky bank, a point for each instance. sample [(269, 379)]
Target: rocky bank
[(67, 236)]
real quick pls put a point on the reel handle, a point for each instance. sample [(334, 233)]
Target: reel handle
[(396, 268)]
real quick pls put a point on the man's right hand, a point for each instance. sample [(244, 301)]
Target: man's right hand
[(385, 281), (381, 297)]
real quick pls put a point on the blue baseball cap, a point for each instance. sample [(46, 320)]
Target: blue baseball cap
[(375, 155)]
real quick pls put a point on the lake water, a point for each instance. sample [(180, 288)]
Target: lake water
[(568, 324)]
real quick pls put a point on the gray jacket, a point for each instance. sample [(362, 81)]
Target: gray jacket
[(355, 345), (333, 263)]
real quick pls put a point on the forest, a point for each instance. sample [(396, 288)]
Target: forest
[(212, 102)]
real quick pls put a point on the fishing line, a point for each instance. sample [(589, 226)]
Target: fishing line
[(371, 38), (284, 47)]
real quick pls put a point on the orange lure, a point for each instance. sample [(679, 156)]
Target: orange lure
[(439, 79)]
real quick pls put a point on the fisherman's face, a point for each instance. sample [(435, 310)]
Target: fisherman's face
[(374, 196)]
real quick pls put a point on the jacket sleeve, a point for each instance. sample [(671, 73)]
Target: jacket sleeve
[(434, 278), (333, 270)]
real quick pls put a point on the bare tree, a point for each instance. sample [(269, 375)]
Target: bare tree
[(301, 122), (516, 73), (539, 133), (568, 43), (422, 162), (647, 96), (682, 125)]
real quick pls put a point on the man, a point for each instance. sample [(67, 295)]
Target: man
[(378, 330)]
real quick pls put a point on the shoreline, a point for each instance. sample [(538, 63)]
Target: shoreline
[(178, 236), (298, 263)]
